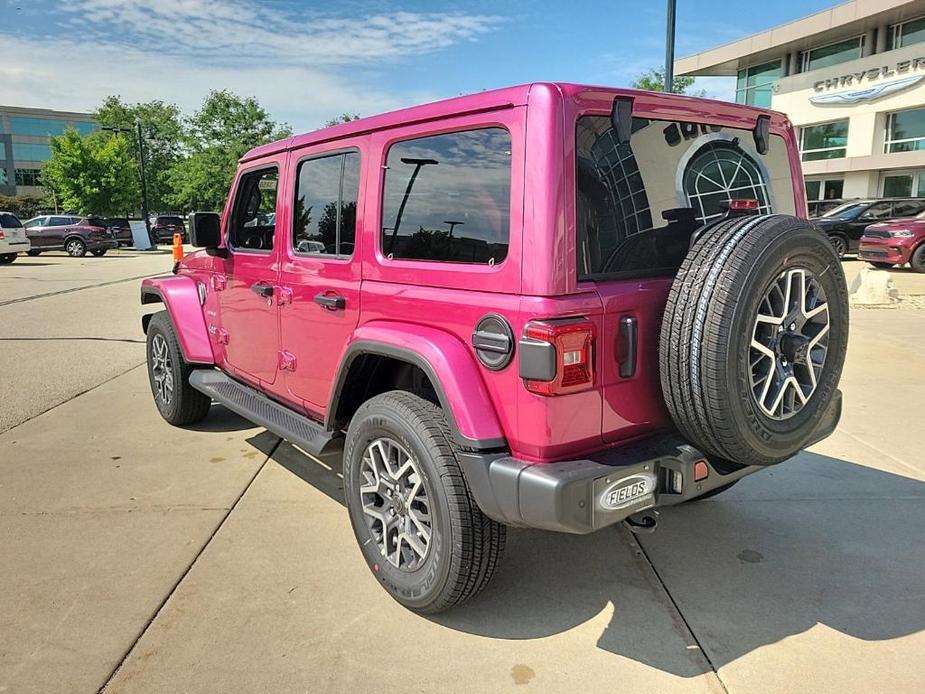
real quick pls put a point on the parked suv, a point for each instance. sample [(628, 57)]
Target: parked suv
[(121, 230), (550, 306), (895, 243), (13, 238), (845, 224), (70, 233), (165, 227)]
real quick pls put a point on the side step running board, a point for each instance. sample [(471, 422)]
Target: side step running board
[(247, 402)]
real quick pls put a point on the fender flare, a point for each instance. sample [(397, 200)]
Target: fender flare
[(180, 296), (448, 364)]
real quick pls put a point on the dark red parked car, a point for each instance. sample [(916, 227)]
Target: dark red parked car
[(165, 227), (70, 233), (895, 243)]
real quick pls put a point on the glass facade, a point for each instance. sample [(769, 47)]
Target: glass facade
[(38, 127), (905, 131), (3, 178), (832, 54), (28, 177), (904, 184), (824, 141), (28, 151), (827, 189), (84, 127), (754, 84), (907, 33), (2, 150)]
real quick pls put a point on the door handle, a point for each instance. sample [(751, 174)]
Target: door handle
[(262, 289), (331, 302)]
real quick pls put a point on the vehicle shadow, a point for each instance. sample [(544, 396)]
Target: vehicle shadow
[(221, 419), (816, 540)]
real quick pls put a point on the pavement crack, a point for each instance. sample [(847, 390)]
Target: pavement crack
[(634, 541), (173, 588), (57, 339), (75, 289)]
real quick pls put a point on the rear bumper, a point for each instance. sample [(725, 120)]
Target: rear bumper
[(99, 244), (581, 496), (884, 250), (7, 246)]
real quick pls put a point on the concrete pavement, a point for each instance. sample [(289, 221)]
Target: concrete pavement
[(143, 558)]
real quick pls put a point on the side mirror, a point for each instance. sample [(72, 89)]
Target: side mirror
[(205, 229), (621, 118)]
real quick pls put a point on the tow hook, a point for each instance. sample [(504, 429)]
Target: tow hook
[(642, 523)]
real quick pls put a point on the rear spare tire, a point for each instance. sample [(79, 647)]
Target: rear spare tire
[(753, 339)]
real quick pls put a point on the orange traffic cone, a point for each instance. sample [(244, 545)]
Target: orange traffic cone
[(177, 248)]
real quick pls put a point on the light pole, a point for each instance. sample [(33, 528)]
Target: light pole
[(669, 47), (418, 164), (141, 166)]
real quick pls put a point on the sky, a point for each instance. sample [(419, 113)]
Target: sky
[(308, 61)]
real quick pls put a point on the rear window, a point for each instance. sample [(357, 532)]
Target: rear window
[(638, 203), (169, 220), (9, 221), (448, 197), (96, 222)]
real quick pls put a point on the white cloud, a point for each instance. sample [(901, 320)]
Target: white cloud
[(297, 66)]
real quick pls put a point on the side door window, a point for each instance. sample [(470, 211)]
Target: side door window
[(908, 208), (876, 212), (324, 219), (253, 219)]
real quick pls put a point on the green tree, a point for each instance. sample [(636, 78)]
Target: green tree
[(163, 134), (25, 206), (654, 81), (342, 118), (216, 137), (94, 174)]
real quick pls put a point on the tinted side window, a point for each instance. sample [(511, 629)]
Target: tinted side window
[(881, 210), (9, 221), (324, 221), (253, 221), (908, 208), (35, 223), (60, 221), (447, 197)]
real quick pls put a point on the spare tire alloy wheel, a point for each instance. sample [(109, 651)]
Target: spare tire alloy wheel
[(754, 338), (396, 504), (789, 343)]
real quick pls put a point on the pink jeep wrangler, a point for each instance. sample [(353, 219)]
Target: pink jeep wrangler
[(552, 306)]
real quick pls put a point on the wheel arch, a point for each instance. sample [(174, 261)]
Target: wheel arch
[(372, 362), (180, 297)]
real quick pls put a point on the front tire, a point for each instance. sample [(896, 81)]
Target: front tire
[(177, 401), (839, 245), (917, 261), (75, 248), (33, 253), (419, 528), (7, 258)]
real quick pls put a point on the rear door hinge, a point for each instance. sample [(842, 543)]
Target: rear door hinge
[(218, 282), (220, 334), (284, 296), (287, 361)]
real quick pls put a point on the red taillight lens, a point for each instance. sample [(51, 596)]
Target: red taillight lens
[(2, 236), (743, 204), (572, 340)]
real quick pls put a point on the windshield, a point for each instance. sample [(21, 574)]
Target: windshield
[(846, 211), (9, 221)]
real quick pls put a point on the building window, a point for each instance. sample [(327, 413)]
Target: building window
[(905, 131), (824, 189), (84, 127), (448, 197), (325, 215), (39, 127), (754, 84), (3, 176), (832, 54), (28, 177), (907, 33), (903, 184), (824, 141), (25, 151), (721, 171), (2, 150)]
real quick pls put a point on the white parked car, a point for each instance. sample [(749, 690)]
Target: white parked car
[(13, 238)]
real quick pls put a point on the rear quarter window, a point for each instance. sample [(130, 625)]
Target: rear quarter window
[(448, 197), (638, 203), (9, 221)]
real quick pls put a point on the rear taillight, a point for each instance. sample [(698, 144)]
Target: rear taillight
[(1, 234), (557, 356)]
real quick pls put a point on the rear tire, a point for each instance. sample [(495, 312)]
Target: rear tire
[(177, 401), (75, 248), (99, 252), (753, 338), (452, 549), (33, 253), (7, 258), (917, 261)]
